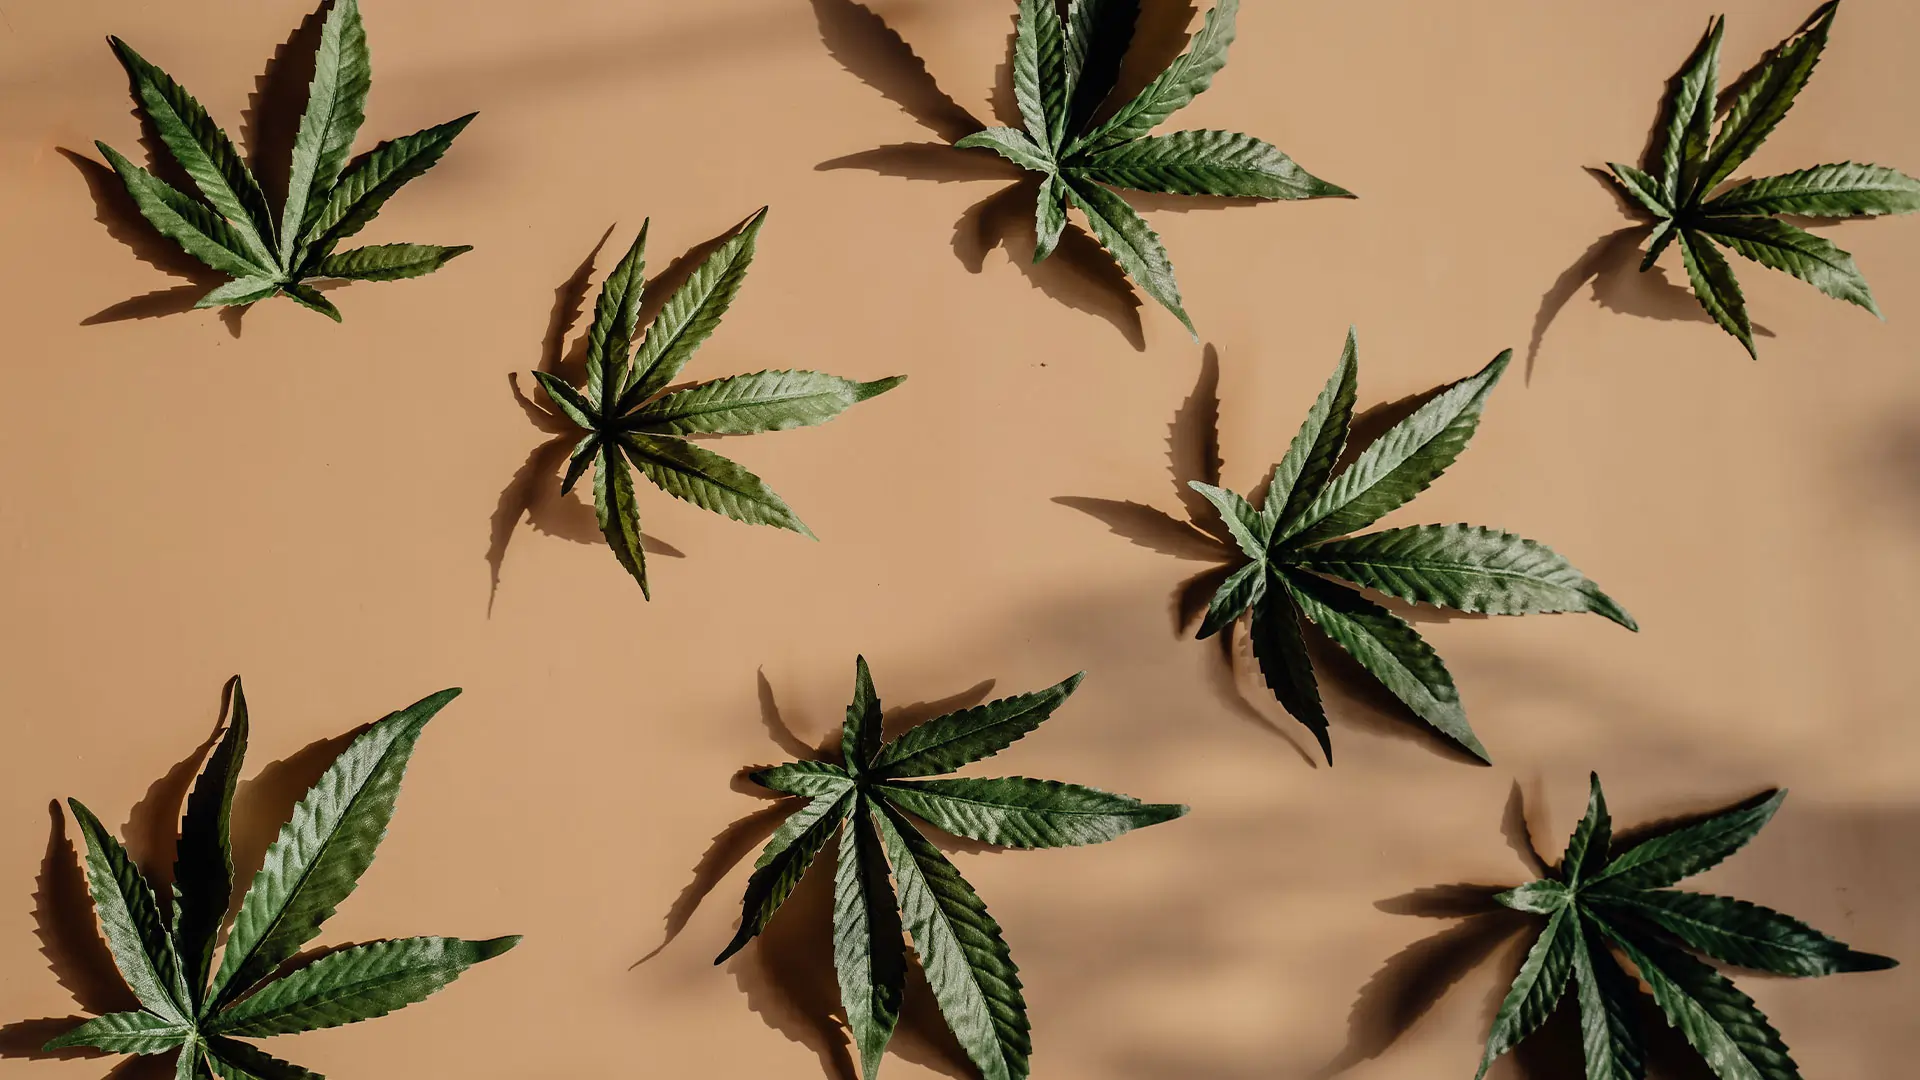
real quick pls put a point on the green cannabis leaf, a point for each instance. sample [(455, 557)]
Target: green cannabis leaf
[(1297, 541), (631, 420), (315, 863), (1063, 71), (871, 792), (329, 197), (1692, 160), (1604, 896)]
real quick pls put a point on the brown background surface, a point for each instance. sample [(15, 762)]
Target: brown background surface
[(316, 506)]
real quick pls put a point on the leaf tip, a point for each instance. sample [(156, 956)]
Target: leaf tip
[(874, 389)]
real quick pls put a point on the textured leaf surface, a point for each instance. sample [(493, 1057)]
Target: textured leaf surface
[(692, 313), (1012, 144), (860, 735), (1664, 860), (1205, 163), (1019, 812), (387, 262), (616, 318), (709, 481), (130, 918), (367, 184), (1748, 935), (1767, 96), (1049, 217), (618, 513), (235, 1060), (321, 852), (358, 983), (1542, 980), (1824, 191), (308, 297), (869, 951), (1098, 33), (1780, 246), (807, 778), (1463, 567), (1401, 463), (187, 222), (336, 107), (1643, 189), (1722, 1023), (966, 960), (1039, 72), (1316, 448), (1589, 846), (203, 863), (124, 1033), (1391, 651), (762, 401), (1715, 286), (1281, 651), (1242, 589), (1132, 243), (783, 863), (945, 743), (1691, 104), (1173, 88), (1609, 1026), (240, 291), (203, 151), (1242, 520)]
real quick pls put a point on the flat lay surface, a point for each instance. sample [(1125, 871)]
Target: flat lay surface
[(354, 516)]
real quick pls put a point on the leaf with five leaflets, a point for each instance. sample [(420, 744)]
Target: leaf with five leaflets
[(961, 949)]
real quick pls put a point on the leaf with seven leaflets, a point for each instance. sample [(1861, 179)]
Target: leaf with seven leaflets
[(316, 861), (634, 423), (1606, 895), (1064, 71), (872, 793), (230, 227), (1296, 543), (1681, 187)]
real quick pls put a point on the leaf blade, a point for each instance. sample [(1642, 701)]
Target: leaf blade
[(130, 918), (1766, 99), (945, 743), (1132, 243), (783, 863), (203, 862), (756, 402), (1780, 246), (123, 1033), (1538, 988), (692, 313), (1824, 191), (387, 262), (1205, 162), (197, 230), (1281, 651), (618, 512), (697, 475), (1720, 1022), (1317, 446), (1748, 935), (336, 107), (860, 735), (1183, 80), (869, 951), (1715, 287), (366, 185), (1021, 812), (357, 983), (1664, 860)]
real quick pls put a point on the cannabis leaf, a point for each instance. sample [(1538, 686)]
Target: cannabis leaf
[(871, 792), (630, 418), (1605, 896), (313, 865), (1692, 160), (1297, 540), (328, 198), (1063, 71)]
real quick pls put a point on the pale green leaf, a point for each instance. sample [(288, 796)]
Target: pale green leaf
[(1689, 116), (1049, 217), (387, 262), (198, 230), (1765, 100), (762, 401), (364, 188), (336, 106), (354, 984), (124, 1033), (1039, 73), (709, 481), (1715, 286), (130, 918), (1542, 897), (1780, 246), (691, 314), (616, 319), (309, 297), (1132, 243), (1204, 163), (1242, 520), (321, 852), (1012, 144), (945, 743), (239, 292), (1019, 812), (618, 513), (810, 779), (1824, 191)]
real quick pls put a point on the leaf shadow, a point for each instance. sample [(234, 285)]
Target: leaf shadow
[(270, 123), (114, 209), (264, 802), (533, 493), (1079, 275)]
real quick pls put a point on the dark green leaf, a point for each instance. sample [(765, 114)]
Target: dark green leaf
[(1722, 1023), (1132, 243), (966, 960), (571, 403), (309, 297), (1542, 981), (1012, 144), (762, 401), (808, 778), (130, 917), (1281, 651), (1588, 847), (1019, 812), (860, 736), (1098, 34), (618, 513), (1316, 448), (367, 184), (322, 851), (945, 743), (1390, 650), (203, 151), (1715, 286), (235, 1060), (1242, 589), (354, 984), (203, 863), (1401, 463), (1243, 521), (1039, 73), (387, 262), (1609, 1026), (191, 1064), (869, 952), (1644, 189), (691, 314), (124, 1033), (1689, 116), (1204, 163), (199, 231), (336, 106), (1049, 217), (709, 481), (1748, 935), (1780, 246), (616, 318), (1183, 81), (1463, 567), (1764, 101), (782, 864), (1664, 860), (579, 460), (1824, 191)]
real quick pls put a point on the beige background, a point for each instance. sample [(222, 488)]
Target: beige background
[(316, 506)]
